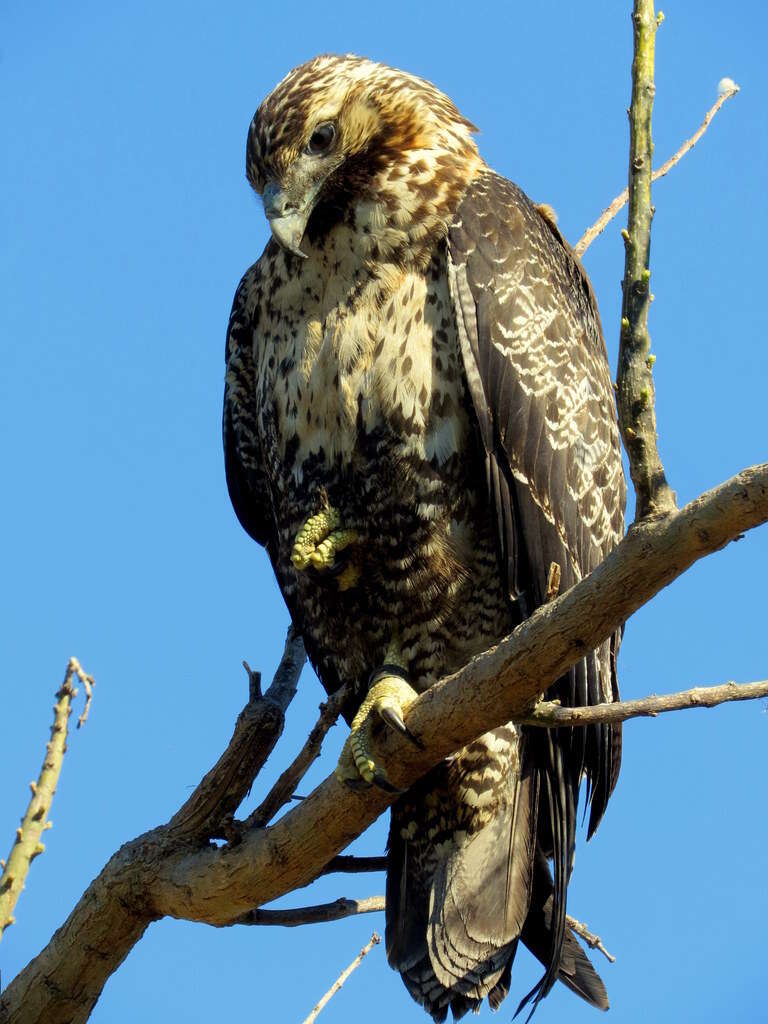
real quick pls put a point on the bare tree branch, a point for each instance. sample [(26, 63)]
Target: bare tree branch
[(726, 91), (550, 714), (167, 873), (499, 686), (318, 914), (27, 844), (354, 865), (343, 907), (635, 390), (285, 787), (88, 684), (375, 940), (593, 941)]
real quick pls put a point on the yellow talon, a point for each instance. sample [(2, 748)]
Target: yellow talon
[(319, 541), (312, 533), (389, 698), (325, 553)]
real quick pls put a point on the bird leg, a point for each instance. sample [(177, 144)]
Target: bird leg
[(319, 541), (389, 697)]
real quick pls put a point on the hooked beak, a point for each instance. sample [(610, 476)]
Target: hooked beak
[(286, 221)]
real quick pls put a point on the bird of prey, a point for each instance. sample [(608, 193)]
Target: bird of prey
[(419, 424)]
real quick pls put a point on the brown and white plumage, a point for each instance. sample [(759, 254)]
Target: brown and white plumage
[(423, 352)]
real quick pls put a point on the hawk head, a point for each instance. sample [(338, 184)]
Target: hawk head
[(346, 141)]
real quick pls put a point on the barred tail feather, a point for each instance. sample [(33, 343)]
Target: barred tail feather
[(456, 908)]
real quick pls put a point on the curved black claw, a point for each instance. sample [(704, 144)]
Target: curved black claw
[(387, 698), (394, 720)]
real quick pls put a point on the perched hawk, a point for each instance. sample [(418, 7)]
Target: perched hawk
[(418, 423)]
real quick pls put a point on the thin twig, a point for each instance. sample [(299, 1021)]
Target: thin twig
[(592, 940), (285, 787), (551, 715), (88, 684), (354, 865), (375, 940), (634, 386), (318, 914), (728, 89), (27, 844)]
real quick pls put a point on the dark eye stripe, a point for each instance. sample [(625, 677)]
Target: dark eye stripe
[(321, 139)]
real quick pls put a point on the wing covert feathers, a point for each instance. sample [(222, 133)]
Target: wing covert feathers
[(539, 381)]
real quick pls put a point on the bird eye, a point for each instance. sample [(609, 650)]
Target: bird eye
[(321, 139)]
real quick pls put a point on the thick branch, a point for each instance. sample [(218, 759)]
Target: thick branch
[(635, 390), (500, 686), (155, 878), (550, 715), (27, 844), (726, 91)]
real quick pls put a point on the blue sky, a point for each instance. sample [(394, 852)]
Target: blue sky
[(128, 222)]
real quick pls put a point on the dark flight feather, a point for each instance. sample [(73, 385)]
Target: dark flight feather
[(576, 970)]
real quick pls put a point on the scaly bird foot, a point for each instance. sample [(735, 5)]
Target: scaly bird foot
[(388, 698), (319, 541)]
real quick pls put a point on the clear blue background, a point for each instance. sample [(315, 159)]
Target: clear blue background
[(127, 224)]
